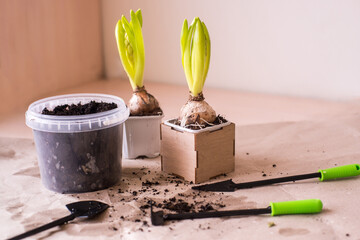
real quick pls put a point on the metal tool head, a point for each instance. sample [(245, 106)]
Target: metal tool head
[(223, 186), (157, 218), (87, 208)]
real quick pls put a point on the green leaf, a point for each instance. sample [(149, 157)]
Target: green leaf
[(187, 58), (139, 16), (198, 58), (207, 52), (183, 38), (120, 40), (129, 41), (128, 29), (140, 50)]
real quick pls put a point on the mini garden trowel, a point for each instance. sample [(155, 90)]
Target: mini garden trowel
[(278, 208), (87, 209), (323, 175)]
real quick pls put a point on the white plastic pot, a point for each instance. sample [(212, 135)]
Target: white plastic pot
[(142, 136)]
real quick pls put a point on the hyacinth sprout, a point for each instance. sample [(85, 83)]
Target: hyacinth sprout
[(195, 53), (130, 44)]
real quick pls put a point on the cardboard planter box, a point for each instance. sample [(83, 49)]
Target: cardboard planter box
[(197, 155)]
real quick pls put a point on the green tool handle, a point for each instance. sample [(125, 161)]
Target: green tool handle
[(340, 172), (296, 207)]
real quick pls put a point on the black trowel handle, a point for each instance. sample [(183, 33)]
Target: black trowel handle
[(182, 216), (44, 227), (277, 180)]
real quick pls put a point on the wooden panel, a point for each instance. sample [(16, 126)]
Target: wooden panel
[(214, 139), (216, 153), (47, 46), (214, 163), (177, 152)]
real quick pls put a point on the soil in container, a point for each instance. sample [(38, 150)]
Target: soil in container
[(80, 109), (78, 143), (79, 162)]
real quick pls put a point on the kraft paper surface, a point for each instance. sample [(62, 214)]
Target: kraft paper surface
[(263, 151)]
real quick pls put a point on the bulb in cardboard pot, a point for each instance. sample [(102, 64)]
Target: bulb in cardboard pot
[(130, 44), (195, 53)]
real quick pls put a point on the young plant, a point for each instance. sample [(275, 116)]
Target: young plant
[(195, 53), (130, 44)]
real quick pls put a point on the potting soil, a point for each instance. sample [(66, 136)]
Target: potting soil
[(80, 109), (219, 120)]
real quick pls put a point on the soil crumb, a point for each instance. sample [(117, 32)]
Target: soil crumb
[(80, 109), (271, 224)]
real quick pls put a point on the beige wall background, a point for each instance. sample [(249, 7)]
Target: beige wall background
[(47, 45), (302, 48)]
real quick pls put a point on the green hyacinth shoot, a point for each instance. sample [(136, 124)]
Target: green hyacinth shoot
[(195, 53), (130, 44)]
